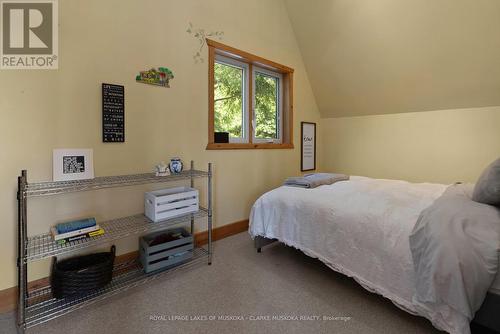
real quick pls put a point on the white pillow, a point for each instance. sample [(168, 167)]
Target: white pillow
[(487, 189)]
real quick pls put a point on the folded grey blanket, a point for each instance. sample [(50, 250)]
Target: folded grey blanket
[(315, 180)]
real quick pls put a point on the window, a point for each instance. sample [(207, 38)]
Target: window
[(230, 98), (267, 105), (250, 98)]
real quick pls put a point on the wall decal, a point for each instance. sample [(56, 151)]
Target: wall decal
[(201, 35), (158, 77)]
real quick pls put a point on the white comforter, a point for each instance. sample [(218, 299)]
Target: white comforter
[(359, 228), (455, 245)]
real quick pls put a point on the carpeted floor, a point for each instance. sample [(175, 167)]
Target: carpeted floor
[(241, 284)]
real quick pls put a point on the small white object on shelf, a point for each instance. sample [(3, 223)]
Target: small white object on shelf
[(171, 202), (162, 169)]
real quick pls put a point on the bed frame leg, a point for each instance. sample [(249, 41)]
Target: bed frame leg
[(260, 242)]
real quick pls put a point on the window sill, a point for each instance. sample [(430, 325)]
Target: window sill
[(245, 146)]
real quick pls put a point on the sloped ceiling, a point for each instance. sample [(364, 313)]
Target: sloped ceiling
[(367, 57)]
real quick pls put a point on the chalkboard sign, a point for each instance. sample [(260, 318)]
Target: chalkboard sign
[(113, 113)]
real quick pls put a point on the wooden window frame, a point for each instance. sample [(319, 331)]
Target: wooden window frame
[(216, 48)]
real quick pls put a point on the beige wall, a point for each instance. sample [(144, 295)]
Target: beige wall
[(367, 57), (111, 41), (441, 146)]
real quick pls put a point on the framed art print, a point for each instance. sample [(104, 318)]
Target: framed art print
[(73, 164), (113, 113), (308, 146)]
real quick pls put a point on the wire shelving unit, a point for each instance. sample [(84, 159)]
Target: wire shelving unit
[(38, 306)]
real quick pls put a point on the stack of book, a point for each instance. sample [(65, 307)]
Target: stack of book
[(75, 230)]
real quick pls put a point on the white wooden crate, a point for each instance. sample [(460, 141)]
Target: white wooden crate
[(171, 202)]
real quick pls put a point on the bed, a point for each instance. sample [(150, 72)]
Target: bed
[(361, 228)]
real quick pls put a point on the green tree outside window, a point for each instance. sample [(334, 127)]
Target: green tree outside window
[(266, 106), (228, 100)]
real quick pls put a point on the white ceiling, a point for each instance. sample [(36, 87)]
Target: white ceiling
[(368, 57)]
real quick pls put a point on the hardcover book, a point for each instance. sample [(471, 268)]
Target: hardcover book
[(81, 236), (59, 236), (75, 225)]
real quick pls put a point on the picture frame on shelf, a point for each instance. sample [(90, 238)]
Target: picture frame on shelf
[(72, 164), (307, 146)]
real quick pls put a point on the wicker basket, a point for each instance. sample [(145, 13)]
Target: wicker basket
[(82, 274)]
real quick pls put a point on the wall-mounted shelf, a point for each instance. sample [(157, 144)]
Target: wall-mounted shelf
[(36, 307)]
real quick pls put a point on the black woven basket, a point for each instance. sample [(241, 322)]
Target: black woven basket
[(82, 274)]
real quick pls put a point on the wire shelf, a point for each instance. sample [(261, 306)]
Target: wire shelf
[(43, 246), (37, 306), (41, 307), (61, 187)]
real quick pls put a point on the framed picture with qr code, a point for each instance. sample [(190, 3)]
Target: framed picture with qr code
[(73, 164)]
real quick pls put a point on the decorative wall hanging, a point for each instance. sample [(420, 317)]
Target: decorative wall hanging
[(113, 113), (158, 77), (308, 146), (72, 164), (201, 35)]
